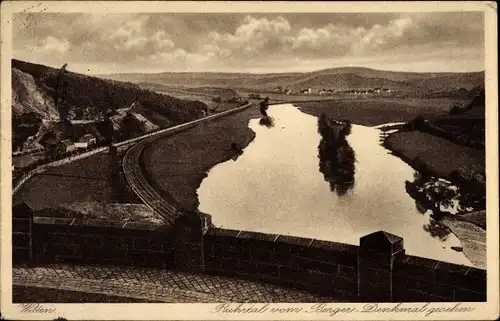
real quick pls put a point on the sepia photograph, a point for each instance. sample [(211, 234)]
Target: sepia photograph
[(249, 156)]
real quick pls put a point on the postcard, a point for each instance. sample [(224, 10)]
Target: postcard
[(249, 160)]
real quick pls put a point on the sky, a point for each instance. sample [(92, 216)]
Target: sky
[(251, 42)]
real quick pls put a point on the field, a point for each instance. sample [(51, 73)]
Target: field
[(88, 179), (440, 155), (179, 163), (376, 111)]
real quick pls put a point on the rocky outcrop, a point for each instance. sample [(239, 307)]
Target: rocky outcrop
[(29, 97)]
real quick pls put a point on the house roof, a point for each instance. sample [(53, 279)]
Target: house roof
[(86, 137), (66, 142)]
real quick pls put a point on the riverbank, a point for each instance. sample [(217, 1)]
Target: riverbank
[(472, 237), (179, 163), (439, 156), (376, 111)]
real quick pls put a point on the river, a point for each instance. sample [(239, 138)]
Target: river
[(276, 186)]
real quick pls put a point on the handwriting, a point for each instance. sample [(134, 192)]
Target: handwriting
[(35, 308)]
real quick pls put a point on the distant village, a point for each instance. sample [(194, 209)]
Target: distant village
[(325, 91)]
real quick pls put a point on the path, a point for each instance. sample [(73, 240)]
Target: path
[(149, 284)]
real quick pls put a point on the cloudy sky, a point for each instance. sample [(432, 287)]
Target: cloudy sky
[(251, 42)]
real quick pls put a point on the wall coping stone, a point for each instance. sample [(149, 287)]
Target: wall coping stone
[(222, 232), (476, 273), (435, 265), (250, 235), (283, 239), (339, 247), (416, 261), (294, 240), (69, 221), (451, 268)]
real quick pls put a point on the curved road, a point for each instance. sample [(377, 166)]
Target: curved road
[(138, 182)]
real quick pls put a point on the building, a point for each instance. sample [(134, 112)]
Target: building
[(86, 141), (254, 96), (31, 146), (66, 146)]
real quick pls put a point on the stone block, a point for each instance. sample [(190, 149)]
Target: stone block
[(141, 243), (281, 257), (347, 272), (229, 265), (21, 225), (436, 298), (267, 270), (226, 251), (260, 255), (320, 280), (303, 263), (21, 240), (331, 252), (293, 276), (292, 244), (437, 289), (113, 242), (20, 255), (345, 285), (447, 273), (94, 240), (463, 295), (154, 245), (475, 279), (381, 242), (97, 253)]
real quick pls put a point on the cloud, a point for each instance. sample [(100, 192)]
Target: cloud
[(254, 38), (51, 46), (186, 42)]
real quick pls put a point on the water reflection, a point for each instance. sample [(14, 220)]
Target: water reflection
[(336, 156), (267, 121), (436, 230), (275, 187), (443, 197)]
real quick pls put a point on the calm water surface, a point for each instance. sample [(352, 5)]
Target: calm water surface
[(276, 186)]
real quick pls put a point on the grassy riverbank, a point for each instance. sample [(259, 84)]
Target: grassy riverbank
[(179, 163), (376, 111), (440, 156)]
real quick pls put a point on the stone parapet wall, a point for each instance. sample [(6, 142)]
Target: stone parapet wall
[(376, 270), (421, 279), (319, 266), (97, 241)]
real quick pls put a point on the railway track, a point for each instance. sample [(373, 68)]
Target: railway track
[(139, 183), (141, 187)]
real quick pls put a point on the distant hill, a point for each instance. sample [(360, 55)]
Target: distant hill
[(337, 79), (202, 91)]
